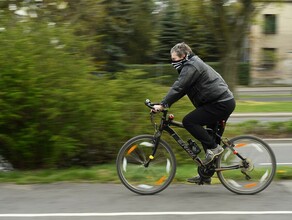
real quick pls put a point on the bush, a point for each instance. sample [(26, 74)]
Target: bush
[(54, 113), (42, 71)]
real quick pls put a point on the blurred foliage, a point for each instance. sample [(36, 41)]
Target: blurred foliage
[(40, 101), (139, 31), (53, 111), (66, 96), (165, 74), (182, 21)]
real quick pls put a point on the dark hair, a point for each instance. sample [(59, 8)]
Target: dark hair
[(181, 49)]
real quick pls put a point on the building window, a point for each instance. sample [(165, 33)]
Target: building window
[(270, 24), (269, 58)]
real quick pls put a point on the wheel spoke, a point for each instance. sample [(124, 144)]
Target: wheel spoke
[(258, 168)]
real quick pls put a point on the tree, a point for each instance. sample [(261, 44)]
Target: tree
[(169, 34), (140, 41), (229, 21), (182, 21), (195, 33)]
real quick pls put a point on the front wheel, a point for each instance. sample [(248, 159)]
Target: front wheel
[(135, 172), (256, 171)]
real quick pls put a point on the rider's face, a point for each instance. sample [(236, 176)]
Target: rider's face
[(175, 57)]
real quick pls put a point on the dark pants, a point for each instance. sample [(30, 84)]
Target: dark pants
[(207, 115)]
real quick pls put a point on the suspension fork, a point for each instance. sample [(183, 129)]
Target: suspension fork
[(156, 140)]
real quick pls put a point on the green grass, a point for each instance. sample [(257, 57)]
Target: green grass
[(253, 106), (104, 174), (101, 173), (260, 128)]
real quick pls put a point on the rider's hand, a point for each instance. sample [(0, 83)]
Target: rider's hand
[(157, 108)]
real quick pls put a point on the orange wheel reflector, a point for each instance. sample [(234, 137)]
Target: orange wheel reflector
[(250, 185), (240, 145), (131, 149), (160, 181)]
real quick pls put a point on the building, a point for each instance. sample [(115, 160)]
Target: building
[(271, 45)]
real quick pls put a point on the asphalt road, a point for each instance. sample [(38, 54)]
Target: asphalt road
[(282, 151), (64, 201)]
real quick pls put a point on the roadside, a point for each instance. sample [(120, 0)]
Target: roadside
[(261, 116), (287, 90), (264, 94)]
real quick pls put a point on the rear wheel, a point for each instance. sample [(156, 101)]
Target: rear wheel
[(257, 170), (133, 170)]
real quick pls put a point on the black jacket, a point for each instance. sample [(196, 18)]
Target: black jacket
[(200, 82)]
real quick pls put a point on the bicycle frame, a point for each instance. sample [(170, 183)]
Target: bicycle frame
[(165, 124)]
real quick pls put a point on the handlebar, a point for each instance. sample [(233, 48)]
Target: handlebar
[(150, 105)]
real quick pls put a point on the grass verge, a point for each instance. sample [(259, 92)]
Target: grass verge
[(103, 174)]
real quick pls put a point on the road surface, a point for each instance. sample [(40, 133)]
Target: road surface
[(64, 201)]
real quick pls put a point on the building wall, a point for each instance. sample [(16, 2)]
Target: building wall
[(281, 41)]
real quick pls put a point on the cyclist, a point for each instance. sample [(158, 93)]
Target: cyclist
[(209, 94)]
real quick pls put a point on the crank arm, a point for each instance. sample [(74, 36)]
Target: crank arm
[(246, 175), (228, 168)]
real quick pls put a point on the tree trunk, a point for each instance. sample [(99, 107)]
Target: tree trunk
[(229, 67)]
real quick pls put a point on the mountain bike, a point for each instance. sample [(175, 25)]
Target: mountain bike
[(146, 164)]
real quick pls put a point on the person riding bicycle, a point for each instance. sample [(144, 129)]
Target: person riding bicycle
[(208, 92)]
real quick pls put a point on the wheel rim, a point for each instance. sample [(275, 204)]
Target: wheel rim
[(260, 166), (139, 178)]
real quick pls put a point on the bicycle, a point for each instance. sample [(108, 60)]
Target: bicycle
[(146, 163)]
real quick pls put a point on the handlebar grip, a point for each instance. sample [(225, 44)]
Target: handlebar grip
[(149, 104)]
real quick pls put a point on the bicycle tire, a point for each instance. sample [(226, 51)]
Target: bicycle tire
[(261, 169), (131, 168)]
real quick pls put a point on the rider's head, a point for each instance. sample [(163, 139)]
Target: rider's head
[(180, 51), (179, 55)]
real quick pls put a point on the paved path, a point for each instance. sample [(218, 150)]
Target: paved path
[(64, 201)]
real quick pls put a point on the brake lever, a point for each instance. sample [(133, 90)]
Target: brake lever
[(150, 105)]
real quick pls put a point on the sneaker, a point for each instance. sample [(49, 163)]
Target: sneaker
[(211, 153), (199, 180)]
